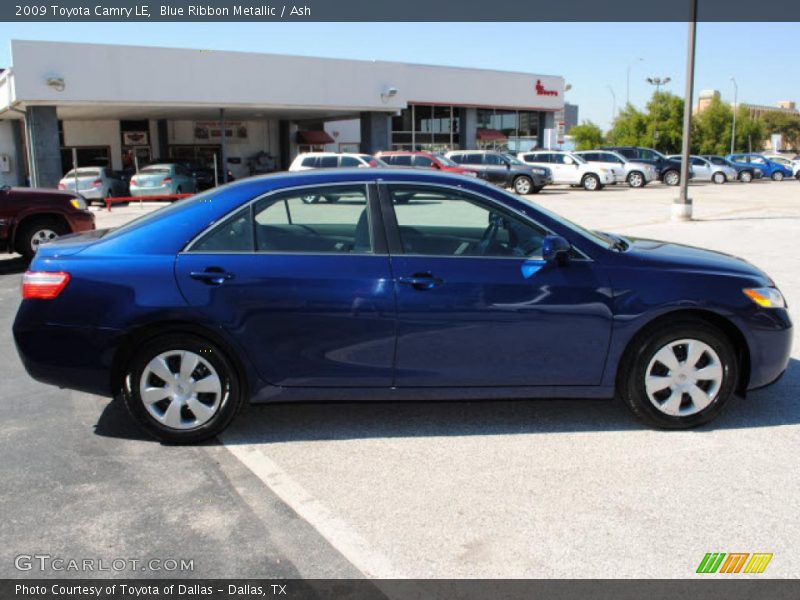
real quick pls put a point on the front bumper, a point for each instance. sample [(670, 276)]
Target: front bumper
[(769, 335)]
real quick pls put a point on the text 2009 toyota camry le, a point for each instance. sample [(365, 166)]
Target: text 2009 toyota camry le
[(390, 284)]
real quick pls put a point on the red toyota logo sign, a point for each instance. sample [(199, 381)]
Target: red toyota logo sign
[(541, 91)]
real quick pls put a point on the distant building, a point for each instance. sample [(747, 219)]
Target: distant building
[(706, 97), (570, 116)]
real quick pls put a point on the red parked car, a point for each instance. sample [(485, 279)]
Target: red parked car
[(424, 160), (33, 216)]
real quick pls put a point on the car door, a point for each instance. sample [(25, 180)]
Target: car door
[(702, 168), (562, 172), (304, 288), (496, 169), (476, 304)]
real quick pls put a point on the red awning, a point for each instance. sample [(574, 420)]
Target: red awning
[(490, 135), (314, 138)]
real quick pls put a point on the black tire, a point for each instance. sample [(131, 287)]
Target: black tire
[(719, 178), (777, 176), (591, 183), (34, 229), (522, 185), (232, 396), (633, 370), (537, 189), (636, 179), (672, 177), (746, 176)]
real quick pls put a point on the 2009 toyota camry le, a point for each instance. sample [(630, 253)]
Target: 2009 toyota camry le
[(379, 284)]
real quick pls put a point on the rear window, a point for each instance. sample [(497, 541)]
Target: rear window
[(155, 171), (84, 173)]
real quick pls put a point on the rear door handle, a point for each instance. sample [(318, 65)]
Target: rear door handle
[(421, 281), (212, 276)]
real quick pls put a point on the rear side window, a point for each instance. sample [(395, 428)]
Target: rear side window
[(234, 234), (493, 159), (423, 161), (473, 159), (328, 162), (309, 161), (542, 158), (402, 160)]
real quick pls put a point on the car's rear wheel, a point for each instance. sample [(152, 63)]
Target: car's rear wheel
[(672, 177), (636, 179), (777, 176), (523, 185), (36, 232), (591, 183), (679, 375), (719, 177), (746, 176), (182, 388)]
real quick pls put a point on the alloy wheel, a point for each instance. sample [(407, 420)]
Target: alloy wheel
[(635, 180), (42, 236), (180, 389), (522, 186), (684, 377)]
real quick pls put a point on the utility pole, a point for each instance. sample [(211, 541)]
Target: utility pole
[(658, 82), (613, 104), (682, 207), (733, 127), (628, 82)]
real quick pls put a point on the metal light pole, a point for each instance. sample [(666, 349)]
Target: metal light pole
[(628, 82), (682, 207), (733, 126), (658, 82), (613, 103)]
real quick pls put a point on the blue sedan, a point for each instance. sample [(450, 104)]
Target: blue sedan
[(770, 168), (395, 285)]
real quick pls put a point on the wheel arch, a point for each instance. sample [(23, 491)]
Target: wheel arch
[(728, 328), (35, 216), (145, 333)]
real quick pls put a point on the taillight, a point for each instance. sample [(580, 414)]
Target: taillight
[(133, 181), (61, 186), (43, 285), (166, 180), (97, 182)]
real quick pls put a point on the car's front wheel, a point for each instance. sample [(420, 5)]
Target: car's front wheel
[(672, 177), (777, 176), (746, 176), (591, 183), (719, 177), (182, 388), (36, 232), (636, 179), (679, 375), (523, 185)]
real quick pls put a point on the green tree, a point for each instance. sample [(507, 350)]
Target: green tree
[(711, 129), (750, 133), (665, 122), (786, 124), (629, 128), (587, 136)]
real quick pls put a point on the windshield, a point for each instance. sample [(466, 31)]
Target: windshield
[(84, 173), (445, 161)]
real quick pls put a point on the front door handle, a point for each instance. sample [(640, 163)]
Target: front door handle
[(211, 276), (422, 281)]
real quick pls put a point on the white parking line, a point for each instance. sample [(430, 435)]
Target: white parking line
[(341, 536)]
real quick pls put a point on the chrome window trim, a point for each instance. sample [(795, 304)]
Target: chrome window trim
[(187, 249), (516, 212)]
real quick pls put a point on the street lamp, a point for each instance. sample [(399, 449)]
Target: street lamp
[(733, 126), (628, 82), (658, 82)]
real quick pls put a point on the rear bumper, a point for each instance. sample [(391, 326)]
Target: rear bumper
[(163, 190), (78, 358)]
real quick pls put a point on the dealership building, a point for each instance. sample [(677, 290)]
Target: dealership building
[(122, 106)]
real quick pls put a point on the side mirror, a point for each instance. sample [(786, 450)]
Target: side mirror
[(555, 248)]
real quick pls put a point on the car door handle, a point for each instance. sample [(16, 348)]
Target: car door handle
[(421, 281), (212, 275)]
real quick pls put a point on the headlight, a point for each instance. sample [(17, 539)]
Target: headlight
[(766, 297), (78, 203), (470, 173)]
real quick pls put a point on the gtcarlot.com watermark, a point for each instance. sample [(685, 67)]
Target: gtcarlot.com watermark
[(50, 563)]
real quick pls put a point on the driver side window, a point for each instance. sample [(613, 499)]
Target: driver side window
[(437, 221)]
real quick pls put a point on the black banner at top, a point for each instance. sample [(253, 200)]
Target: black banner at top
[(391, 11)]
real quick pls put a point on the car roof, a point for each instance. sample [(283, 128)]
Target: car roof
[(304, 154)]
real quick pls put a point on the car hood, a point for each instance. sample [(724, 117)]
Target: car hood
[(670, 255)]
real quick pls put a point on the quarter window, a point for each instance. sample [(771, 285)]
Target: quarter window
[(444, 222)]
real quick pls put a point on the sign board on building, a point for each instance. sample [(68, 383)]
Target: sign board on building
[(210, 132), (134, 138)]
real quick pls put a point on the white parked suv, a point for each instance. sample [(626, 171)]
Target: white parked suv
[(705, 170), (334, 160), (635, 174), (570, 169)]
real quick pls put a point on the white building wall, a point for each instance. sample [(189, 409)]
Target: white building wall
[(346, 132), (8, 149), (95, 133)]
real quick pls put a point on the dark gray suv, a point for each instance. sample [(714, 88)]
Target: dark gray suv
[(503, 170)]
